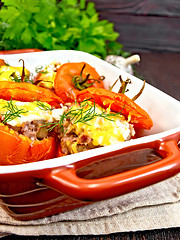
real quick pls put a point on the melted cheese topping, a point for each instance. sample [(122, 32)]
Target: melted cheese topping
[(7, 73), (48, 75), (31, 111), (105, 131)]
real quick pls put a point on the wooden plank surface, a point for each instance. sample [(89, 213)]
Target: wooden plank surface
[(162, 71), (144, 25), (162, 234), (140, 7), (143, 33)]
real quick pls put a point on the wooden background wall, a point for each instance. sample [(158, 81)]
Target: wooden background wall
[(144, 25)]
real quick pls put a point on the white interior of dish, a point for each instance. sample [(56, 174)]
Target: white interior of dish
[(163, 109)]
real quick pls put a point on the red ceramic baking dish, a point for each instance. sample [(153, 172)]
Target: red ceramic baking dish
[(39, 189)]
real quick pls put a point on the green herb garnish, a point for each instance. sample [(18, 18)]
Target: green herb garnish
[(43, 106), (83, 114), (12, 111)]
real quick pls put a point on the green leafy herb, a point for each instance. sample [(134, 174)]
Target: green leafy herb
[(56, 25), (12, 112), (43, 106), (85, 112)]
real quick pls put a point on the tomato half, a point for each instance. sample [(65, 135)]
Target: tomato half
[(17, 149), (27, 92), (118, 102), (71, 78)]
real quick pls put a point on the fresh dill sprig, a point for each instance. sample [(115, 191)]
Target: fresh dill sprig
[(59, 123), (12, 111), (43, 106), (85, 112)]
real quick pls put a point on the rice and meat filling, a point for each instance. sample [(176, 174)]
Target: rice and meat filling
[(31, 119), (77, 127), (88, 126)]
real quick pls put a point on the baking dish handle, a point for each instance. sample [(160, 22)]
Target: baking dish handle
[(15, 51), (66, 180)]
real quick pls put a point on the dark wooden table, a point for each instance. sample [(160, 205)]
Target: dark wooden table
[(161, 70)]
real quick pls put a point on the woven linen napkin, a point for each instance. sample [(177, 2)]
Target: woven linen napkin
[(153, 207)]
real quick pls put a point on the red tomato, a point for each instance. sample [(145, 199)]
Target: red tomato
[(71, 78), (28, 92), (118, 102), (16, 148), (2, 62)]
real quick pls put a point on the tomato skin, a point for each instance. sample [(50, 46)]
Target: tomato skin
[(28, 92), (63, 84), (59, 151), (17, 149), (118, 102), (2, 62)]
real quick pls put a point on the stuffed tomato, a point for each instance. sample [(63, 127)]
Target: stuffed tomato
[(38, 123), (24, 134)]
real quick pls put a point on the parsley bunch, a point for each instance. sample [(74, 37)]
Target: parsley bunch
[(56, 25)]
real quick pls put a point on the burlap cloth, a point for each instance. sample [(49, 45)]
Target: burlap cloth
[(154, 207)]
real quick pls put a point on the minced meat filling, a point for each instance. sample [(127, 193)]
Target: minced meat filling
[(72, 143), (77, 127), (35, 130)]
